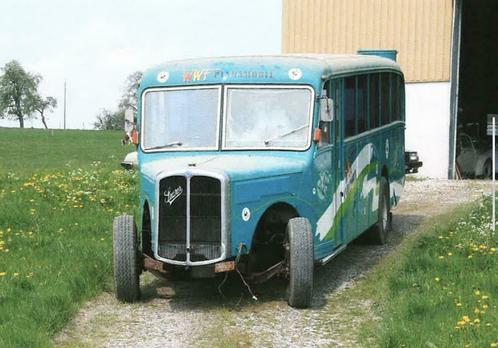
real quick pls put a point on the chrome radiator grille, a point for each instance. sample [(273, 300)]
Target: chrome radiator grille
[(190, 218)]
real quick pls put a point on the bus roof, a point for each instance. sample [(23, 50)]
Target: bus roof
[(292, 68)]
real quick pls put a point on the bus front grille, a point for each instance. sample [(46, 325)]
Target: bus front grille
[(190, 218)]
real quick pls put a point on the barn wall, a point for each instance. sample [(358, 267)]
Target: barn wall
[(420, 30)]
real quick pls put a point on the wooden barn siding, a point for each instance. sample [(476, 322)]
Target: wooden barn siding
[(420, 30)]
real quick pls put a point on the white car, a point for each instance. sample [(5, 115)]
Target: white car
[(130, 161), (474, 157)]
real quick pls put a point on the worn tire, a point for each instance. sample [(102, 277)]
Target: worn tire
[(126, 259), (299, 255), (487, 171), (379, 233)]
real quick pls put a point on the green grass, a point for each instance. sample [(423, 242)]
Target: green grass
[(29, 150), (58, 196), (440, 288)]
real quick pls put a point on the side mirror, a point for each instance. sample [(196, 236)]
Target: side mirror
[(326, 110), (129, 120)]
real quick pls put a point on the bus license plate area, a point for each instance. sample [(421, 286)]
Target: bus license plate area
[(224, 266)]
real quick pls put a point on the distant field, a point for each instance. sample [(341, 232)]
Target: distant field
[(34, 149), (58, 195)]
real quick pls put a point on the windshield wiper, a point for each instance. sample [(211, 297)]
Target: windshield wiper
[(173, 143), (268, 141)]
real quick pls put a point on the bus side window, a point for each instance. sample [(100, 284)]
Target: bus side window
[(402, 97), (349, 106), (374, 101), (361, 102), (325, 126), (396, 105), (385, 106)]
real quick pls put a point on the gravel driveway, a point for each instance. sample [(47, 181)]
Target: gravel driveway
[(193, 313)]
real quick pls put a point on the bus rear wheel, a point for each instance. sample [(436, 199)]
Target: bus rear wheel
[(299, 257), (380, 232), (127, 262)]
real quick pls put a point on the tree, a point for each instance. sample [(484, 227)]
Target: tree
[(45, 104), (129, 97), (108, 120), (18, 92)]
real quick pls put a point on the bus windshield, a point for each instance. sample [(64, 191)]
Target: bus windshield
[(255, 118), (181, 119), (267, 117)]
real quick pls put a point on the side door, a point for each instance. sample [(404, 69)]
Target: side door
[(336, 88), (328, 175)]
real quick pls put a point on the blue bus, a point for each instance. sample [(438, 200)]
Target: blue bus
[(264, 165)]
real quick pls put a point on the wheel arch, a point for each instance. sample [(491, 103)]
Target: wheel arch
[(146, 229), (267, 241), (385, 174)]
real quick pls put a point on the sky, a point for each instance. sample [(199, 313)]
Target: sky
[(95, 45)]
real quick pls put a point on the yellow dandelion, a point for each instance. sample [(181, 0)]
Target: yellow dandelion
[(469, 257), (16, 274), (477, 293), (2, 274), (440, 257), (484, 297), (493, 249), (477, 321), (450, 254), (465, 318), (459, 304), (477, 311), (461, 322), (437, 279)]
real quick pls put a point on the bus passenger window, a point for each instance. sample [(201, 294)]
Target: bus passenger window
[(385, 106), (361, 102), (349, 106), (325, 126), (396, 105), (374, 101)]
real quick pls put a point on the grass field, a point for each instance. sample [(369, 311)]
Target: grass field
[(440, 288), (59, 192)]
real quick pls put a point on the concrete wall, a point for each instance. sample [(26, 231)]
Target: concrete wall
[(427, 125)]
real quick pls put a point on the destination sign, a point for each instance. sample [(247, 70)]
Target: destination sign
[(205, 74)]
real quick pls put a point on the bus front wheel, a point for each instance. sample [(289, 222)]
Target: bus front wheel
[(127, 265), (299, 257)]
